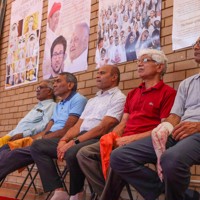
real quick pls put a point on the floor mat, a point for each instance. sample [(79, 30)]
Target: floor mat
[(7, 198)]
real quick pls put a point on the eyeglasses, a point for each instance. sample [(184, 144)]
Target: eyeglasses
[(41, 87), (58, 55), (145, 60), (197, 43)]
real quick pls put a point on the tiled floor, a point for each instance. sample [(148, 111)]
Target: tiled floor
[(30, 196)]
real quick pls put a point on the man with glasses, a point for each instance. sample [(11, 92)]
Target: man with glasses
[(65, 115), (58, 49), (146, 106), (36, 120), (179, 133)]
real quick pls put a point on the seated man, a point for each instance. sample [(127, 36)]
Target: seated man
[(183, 152), (146, 106), (100, 115), (36, 120), (65, 115)]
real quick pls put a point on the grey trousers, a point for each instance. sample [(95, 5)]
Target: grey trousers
[(90, 163), (129, 162), (43, 153), (13, 160)]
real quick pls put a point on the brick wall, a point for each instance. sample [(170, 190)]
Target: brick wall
[(16, 102)]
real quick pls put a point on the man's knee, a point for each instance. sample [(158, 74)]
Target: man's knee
[(89, 152), (70, 156), (115, 159), (81, 155), (36, 146), (171, 162)]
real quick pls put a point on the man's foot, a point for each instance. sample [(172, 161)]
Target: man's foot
[(60, 195), (78, 196), (191, 195)]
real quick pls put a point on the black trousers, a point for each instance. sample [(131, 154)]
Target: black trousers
[(44, 151)]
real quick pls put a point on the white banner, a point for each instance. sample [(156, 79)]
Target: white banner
[(186, 23)]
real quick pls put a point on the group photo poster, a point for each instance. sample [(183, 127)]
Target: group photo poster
[(67, 37), (23, 50), (125, 27)]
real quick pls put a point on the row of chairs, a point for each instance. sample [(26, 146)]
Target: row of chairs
[(32, 173)]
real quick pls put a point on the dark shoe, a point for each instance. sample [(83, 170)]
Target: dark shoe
[(191, 195)]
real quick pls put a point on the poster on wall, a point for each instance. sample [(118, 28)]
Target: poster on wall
[(67, 37), (23, 49), (125, 27), (186, 23)]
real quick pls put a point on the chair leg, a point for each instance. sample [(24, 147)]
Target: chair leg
[(93, 195), (48, 195), (62, 175), (31, 183), (2, 181), (129, 191)]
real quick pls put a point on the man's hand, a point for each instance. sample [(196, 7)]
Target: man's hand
[(16, 137), (125, 140), (38, 136), (61, 151), (185, 129), (61, 143)]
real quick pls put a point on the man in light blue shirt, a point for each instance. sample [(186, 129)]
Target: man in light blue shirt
[(70, 107), (36, 120)]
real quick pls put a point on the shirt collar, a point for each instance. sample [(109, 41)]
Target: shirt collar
[(156, 87), (45, 102), (197, 76), (110, 91), (68, 98)]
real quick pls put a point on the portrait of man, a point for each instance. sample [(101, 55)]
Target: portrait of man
[(58, 55), (78, 48), (53, 17), (52, 26)]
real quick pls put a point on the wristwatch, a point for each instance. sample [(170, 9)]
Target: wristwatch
[(76, 140)]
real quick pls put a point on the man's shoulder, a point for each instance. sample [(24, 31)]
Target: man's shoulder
[(132, 91), (189, 79), (47, 102), (187, 82), (79, 97), (168, 88), (116, 90)]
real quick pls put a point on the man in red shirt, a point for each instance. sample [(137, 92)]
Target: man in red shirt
[(146, 106)]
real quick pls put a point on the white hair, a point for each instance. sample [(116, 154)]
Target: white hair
[(156, 55)]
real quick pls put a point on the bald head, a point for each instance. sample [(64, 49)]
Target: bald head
[(108, 76), (79, 40)]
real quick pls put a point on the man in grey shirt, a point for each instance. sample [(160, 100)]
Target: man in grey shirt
[(182, 133)]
